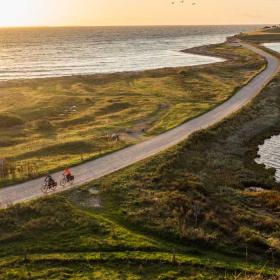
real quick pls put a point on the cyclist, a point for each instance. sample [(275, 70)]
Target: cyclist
[(49, 181), (68, 174)]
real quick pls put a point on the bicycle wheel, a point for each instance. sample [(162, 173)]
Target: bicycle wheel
[(53, 187), (72, 180), (45, 189), (63, 182)]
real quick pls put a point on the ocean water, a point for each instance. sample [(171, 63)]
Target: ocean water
[(273, 46), (51, 52)]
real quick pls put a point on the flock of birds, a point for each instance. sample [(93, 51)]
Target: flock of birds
[(182, 2)]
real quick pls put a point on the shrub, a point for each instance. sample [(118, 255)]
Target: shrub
[(183, 72), (42, 124), (253, 238), (7, 121)]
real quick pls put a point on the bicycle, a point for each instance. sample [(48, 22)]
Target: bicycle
[(49, 187), (65, 180)]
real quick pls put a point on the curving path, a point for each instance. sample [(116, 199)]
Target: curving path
[(107, 164)]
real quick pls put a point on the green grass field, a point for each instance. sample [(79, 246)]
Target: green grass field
[(64, 237), (46, 124)]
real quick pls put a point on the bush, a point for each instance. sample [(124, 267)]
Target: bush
[(7, 121), (183, 72), (42, 124)]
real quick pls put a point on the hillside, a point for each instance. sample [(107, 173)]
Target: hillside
[(184, 214), (265, 35), (47, 124)]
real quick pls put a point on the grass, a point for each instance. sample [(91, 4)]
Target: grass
[(175, 202), (47, 124), (57, 238), (179, 215), (262, 36), (88, 269)]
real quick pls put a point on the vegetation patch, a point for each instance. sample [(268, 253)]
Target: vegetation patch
[(44, 125), (9, 121), (265, 35), (114, 108)]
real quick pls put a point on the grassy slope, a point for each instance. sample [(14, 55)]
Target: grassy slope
[(40, 130), (148, 211), (262, 36), (161, 194), (56, 238)]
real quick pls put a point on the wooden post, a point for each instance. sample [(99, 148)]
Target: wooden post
[(2, 162), (246, 256)]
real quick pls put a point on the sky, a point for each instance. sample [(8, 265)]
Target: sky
[(137, 12)]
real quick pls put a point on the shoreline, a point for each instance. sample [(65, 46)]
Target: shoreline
[(132, 72), (198, 51), (218, 35)]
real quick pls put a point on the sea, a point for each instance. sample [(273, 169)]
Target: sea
[(274, 46), (53, 52)]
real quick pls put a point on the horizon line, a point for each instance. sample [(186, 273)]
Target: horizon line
[(132, 25)]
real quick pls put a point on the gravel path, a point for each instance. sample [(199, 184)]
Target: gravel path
[(105, 165)]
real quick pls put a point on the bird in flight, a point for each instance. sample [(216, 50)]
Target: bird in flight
[(182, 2)]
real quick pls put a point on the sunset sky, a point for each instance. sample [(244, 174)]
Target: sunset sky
[(136, 12)]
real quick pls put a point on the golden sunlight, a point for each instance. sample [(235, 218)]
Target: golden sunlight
[(136, 12), (20, 12)]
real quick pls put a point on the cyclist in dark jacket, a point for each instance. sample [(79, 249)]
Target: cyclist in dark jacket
[(49, 180)]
